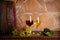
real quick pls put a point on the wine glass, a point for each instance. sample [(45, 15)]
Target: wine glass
[(37, 20), (29, 22), (28, 19)]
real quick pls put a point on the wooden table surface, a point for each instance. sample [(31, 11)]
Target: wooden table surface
[(29, 38), (55, 37)]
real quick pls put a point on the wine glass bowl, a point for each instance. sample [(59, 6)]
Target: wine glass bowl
[(36, 23), (29, 23)]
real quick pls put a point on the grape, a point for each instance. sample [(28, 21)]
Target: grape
[(22, 35), (49, 33), (15, 32), (33, 33), (46, 30), (28, 31), (40, 33)]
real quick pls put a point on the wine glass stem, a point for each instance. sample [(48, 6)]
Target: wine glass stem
[(36, 27)]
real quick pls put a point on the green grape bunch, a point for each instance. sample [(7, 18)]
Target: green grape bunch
[(15, 32), (28, 31)]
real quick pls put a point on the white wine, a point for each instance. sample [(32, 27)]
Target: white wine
[(36, 23)]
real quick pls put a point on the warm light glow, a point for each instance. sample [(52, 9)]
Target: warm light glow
[(30, 18), (38, 19)]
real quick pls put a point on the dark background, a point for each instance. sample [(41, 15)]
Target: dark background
[(7, 19)]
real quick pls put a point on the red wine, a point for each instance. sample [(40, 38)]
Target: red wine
[(29, 23)]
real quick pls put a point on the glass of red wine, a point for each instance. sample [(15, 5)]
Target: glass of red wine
[(27, 19), (29, 23)]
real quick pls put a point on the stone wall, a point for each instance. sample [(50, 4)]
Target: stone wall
[(47, 10)]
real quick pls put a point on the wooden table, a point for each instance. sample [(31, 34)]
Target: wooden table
[(29, 38), (55, 37)]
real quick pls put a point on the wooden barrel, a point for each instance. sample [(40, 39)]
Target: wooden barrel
[(7, 17)]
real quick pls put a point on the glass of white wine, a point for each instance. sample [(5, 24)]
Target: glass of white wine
[(37, 22)]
